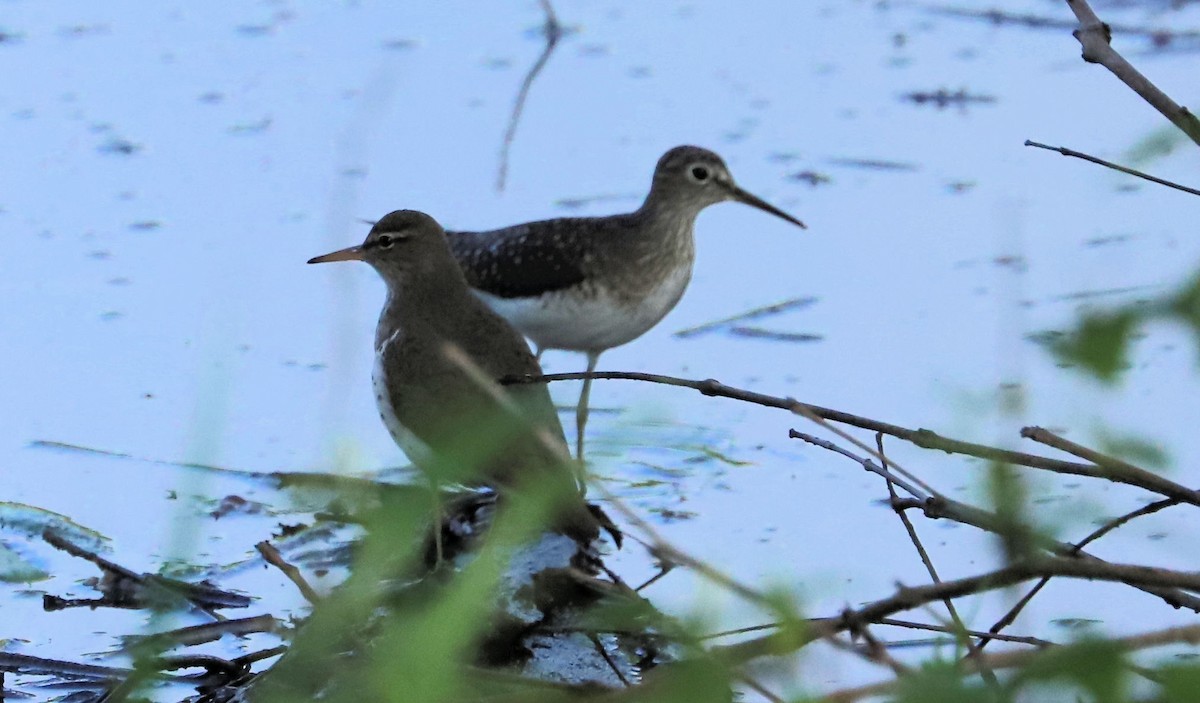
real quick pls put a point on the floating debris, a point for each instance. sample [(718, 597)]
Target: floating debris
[(400, 44), (577, 203), (875, 164), (84, 30), (251, 127), (811, 177), (942, 98), (119, 146)]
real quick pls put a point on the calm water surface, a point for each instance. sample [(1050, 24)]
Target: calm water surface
[(169, 170)]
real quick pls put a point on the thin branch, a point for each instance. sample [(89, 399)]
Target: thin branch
[(553, 32), (1034, 641), (1096, 39), (759, 688), (1115, 469), (1019, 658), (1104, 529), (907, 598), (272, 556), (894, 622), (938, 506), (599, 646), (959, 626), (1116, 167), (926, 439), (866, 463), (208, 632)]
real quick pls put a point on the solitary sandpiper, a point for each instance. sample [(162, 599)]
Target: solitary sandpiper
[(593, 283), (439, 356)]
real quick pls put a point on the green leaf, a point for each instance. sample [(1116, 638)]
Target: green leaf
[(1133, 449), (939, 682), (1094, 665), (1158, 144), (1185, 306), (1100, 344), (1179, 683)]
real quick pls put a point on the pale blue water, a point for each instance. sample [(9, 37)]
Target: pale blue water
[(156, 302)]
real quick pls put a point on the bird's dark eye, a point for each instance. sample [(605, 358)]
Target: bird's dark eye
[(700, 173), (385, 240)]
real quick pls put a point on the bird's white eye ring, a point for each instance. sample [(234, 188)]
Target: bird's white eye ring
[(699, 173), (385, 241)]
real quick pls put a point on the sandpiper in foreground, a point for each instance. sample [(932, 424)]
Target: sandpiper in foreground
[(593, 283), (435, 405)]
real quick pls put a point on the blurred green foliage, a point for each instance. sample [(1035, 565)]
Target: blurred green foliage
[(1100, 342)]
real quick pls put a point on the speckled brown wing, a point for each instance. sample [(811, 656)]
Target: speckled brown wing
[(524, 260)]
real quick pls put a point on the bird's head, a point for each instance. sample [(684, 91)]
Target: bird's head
[(404, 242), (694, 178)]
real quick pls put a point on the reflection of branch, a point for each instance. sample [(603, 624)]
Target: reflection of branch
[(1096, 39), (1132, 172), (553, 32)]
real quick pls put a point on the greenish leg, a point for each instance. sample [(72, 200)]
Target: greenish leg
[(581, 410)]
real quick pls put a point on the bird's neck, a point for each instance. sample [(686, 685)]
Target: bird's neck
[(669, 219), (416, 302)]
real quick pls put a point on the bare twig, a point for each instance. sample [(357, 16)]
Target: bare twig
[(272, 556), (894, 622), (937, 506), (926, 439), (759, 688), (959, 626), (553, 32), (1104, 529), (909, 598), (1018, 658), (866, 463), (123, 588), (608, 659), (1115, 469), (1096, 39), (872, 649), (1116, 167), (208, 632)]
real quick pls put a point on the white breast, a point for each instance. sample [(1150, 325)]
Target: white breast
[(593, 322), (416, 450)]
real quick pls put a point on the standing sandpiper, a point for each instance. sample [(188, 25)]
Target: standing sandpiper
[(593, 283), (439, 354)]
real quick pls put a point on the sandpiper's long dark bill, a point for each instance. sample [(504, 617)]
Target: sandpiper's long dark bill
[(593, 283), (354, 253), (439, 354)]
